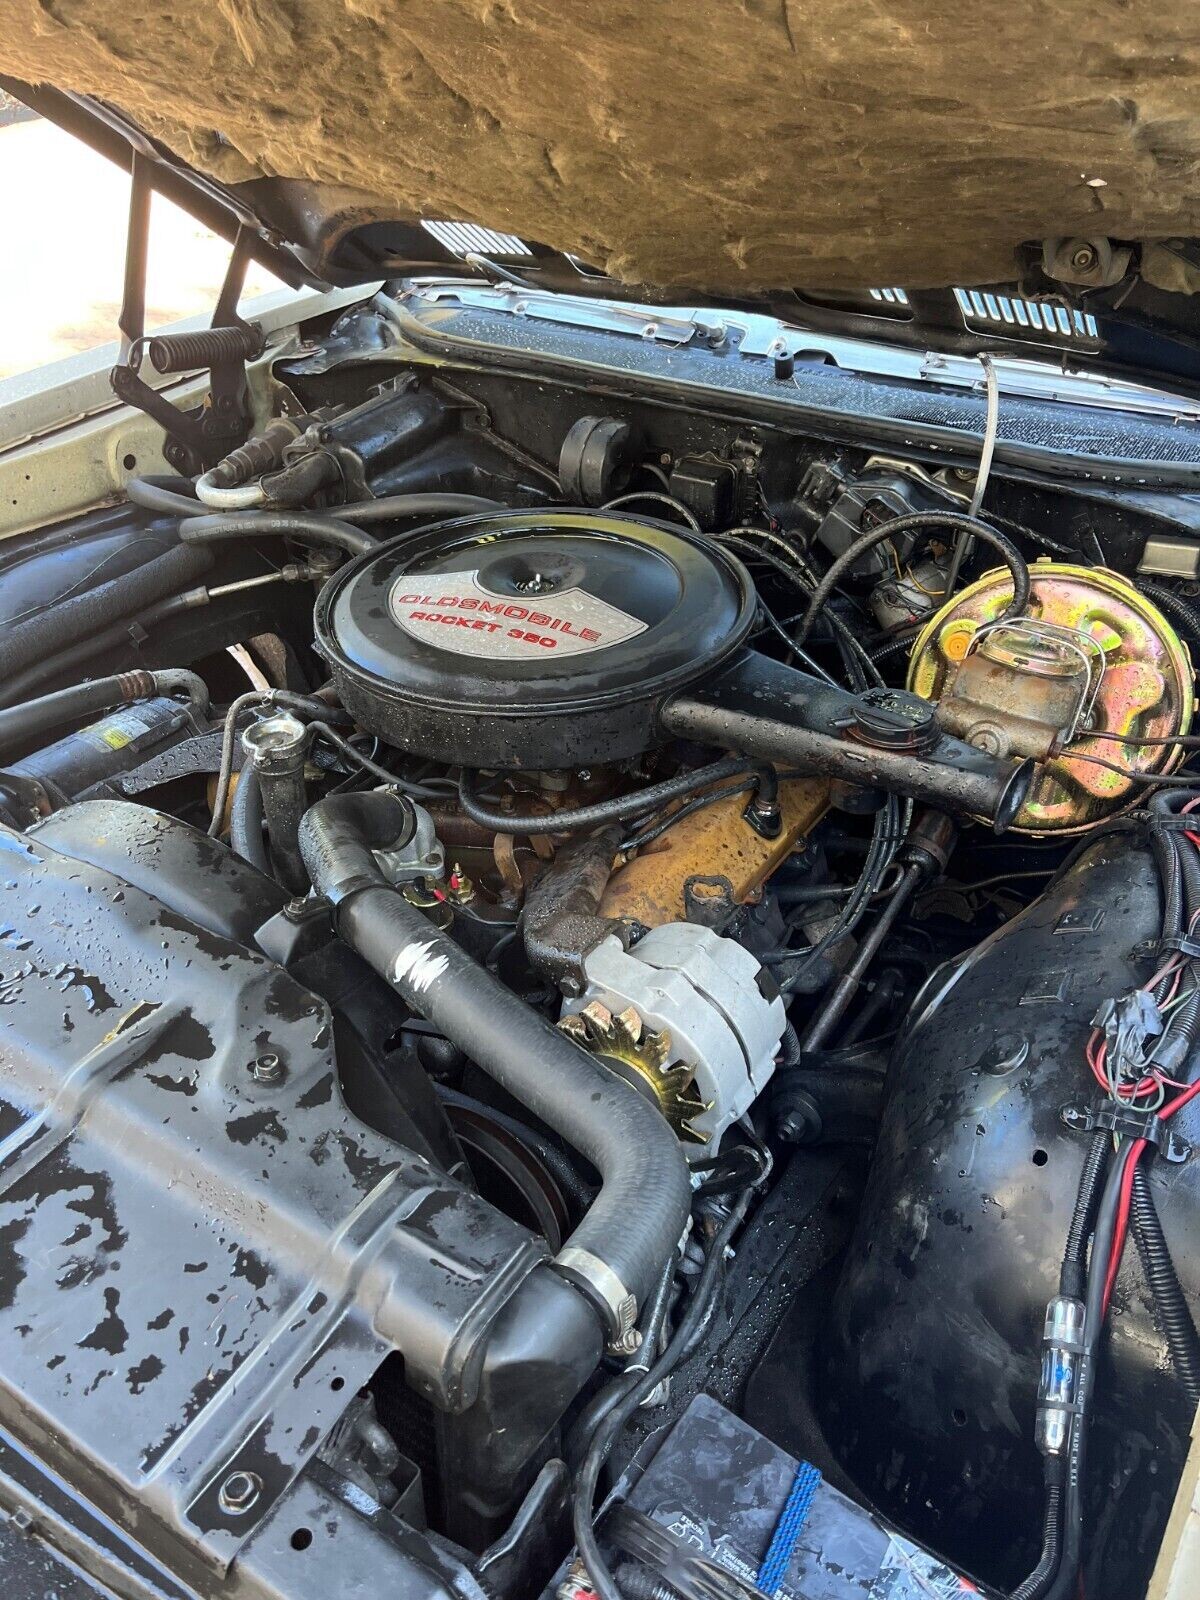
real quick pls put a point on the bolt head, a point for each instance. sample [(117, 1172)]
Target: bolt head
[(267, 1068), (626, 1344), (239, 1493)]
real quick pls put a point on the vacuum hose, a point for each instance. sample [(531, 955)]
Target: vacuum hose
[(619, 1251), (28, 643)]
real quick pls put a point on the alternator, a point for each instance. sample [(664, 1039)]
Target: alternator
[(690, 1019)]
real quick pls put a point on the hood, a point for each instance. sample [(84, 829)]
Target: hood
[(726, 151)]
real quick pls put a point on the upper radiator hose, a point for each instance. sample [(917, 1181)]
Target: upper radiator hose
[(620, 1249)]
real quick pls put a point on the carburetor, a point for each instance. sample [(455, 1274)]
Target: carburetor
[(1092, 677)]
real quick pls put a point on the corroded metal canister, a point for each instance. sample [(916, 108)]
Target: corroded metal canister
[(1091, 663)]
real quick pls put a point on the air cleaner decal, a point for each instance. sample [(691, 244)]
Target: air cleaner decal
[(453, 611)]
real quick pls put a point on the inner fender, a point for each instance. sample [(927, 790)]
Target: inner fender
[(935, 1332)]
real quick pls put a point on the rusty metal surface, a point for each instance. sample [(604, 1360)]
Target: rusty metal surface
[(1146, 690), (562, 921), (1014, 700), (715, 840)]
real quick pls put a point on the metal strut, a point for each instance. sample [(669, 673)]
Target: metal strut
[(196, 439)]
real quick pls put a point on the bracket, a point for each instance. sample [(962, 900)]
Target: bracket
[(1127, 1120), (196, 439), (1155, 949)]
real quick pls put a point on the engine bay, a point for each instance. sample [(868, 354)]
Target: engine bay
[(566, 953)]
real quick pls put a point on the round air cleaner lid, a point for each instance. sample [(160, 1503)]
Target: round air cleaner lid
[(532, 639)]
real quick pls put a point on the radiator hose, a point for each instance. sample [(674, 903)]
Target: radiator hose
[(620, 1249)]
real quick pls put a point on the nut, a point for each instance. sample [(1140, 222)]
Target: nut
[(239, 1493), (267, 1068)]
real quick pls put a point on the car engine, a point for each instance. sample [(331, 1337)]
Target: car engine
[(553, 945)]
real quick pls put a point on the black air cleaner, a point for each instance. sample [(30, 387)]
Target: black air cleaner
[(530, 639), (553, 639)]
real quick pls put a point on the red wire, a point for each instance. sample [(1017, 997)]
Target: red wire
[(1121, 1231), (1172, 1106), (1131, 1160), (1096, 1052)]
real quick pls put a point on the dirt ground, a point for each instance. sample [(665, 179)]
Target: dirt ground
[(63, 251)]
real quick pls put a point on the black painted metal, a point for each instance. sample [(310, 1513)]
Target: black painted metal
[(884, 739), (933, 1348), (691, 604), (200, 1260), (192, 875), (484, 673)]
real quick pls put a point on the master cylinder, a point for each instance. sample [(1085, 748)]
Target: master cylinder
[(1092, 659)]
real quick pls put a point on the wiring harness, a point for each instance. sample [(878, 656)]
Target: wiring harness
[(1141, 1053)]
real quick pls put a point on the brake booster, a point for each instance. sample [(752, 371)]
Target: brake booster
[(1092, 678)]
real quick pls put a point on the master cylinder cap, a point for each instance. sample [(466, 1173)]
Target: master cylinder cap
[(1092, 656)]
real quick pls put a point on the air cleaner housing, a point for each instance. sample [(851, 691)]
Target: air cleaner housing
[(540, 639)]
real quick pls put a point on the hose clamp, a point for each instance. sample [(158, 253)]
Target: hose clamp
[(137, 684), (608, 1294)]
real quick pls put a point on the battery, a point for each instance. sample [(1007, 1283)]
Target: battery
[(722, 1511)]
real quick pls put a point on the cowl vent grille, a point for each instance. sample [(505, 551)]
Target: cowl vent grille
[(1035, 316), (464, 238)]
